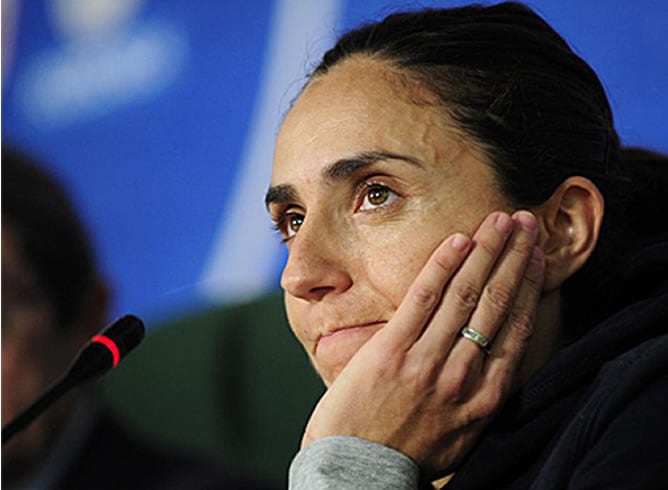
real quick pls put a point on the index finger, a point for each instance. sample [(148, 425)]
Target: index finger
[(425, 293)]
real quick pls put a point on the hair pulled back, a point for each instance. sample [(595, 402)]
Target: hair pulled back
[(536, 109)]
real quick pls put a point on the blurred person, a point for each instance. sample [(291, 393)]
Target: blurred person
[(476, 268), (53, 301)]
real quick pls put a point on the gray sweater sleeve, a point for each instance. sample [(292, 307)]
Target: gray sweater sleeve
[(349, 463)]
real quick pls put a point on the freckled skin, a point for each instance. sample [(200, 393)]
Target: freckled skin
[(348, 266)]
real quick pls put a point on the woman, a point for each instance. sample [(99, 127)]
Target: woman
[(461, 270)]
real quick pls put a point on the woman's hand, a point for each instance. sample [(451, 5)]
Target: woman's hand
[(417, 385)]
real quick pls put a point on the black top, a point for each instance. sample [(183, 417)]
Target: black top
[(596, 415)]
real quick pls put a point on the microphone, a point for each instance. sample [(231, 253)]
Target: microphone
[(102, 353)]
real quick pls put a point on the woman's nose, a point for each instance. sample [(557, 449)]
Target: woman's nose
[(316, 266)]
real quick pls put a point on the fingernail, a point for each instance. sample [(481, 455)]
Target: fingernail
[(460, 242), (503, 223), (527, 220)]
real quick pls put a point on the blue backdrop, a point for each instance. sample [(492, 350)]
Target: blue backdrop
[(160, 115)]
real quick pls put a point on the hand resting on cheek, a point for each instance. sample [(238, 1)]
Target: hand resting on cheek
[(417, 385)]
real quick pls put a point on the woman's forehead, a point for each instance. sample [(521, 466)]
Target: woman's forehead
[(365, 80), (354, 108)]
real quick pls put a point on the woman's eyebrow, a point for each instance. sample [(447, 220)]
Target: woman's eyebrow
[(339, 170), (279, 194), (342, 169)]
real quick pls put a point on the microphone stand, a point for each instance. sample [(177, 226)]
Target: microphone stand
[(98, 356), (26, 417)]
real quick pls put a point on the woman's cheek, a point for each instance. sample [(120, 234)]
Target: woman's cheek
[(296, 319), (393, 263)]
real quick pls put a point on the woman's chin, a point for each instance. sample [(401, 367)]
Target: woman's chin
[(334, 351)]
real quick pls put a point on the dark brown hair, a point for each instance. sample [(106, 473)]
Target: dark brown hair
[(537, 110)]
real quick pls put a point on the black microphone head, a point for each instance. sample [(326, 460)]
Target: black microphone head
[(105, 350), (126, 332)]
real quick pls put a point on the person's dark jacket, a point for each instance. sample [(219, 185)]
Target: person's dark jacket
[(596, 416)]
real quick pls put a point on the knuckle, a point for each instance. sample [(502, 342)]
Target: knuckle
[(500, 296), (454, 384), (384, 365), (423, 296), (466, 295), (422, 376), (442, 261), (490, 403), (489, 248), (522, 248), (521, 323), (534, 279)]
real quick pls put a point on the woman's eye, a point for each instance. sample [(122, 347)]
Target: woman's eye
[(377, 196), (287, 224), (293, 221)]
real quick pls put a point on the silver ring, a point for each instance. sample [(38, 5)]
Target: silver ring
[(477, 337)]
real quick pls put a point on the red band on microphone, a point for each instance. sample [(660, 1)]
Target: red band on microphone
[(109, 344)]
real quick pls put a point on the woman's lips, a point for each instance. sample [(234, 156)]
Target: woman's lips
[(336, 348)]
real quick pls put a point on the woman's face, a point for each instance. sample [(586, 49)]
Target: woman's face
[(365, 185)]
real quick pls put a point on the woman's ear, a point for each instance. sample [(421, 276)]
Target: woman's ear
[(569, 226)]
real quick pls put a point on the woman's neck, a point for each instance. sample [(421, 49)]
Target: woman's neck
[(546, 338)]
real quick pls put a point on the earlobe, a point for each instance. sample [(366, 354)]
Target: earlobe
[(570, 223)]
